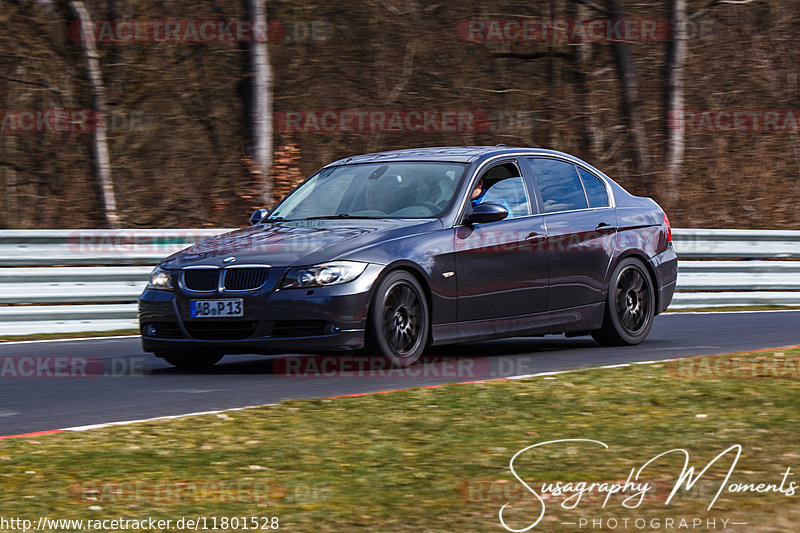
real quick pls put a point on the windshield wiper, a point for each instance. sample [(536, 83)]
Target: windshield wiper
[(276, 219), (340, 215)]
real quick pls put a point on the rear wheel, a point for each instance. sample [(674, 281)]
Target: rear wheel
[(630, 306), (191, 361), (398, 326)]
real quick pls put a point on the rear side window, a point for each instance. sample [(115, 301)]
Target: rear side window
[(595, 189), (559, 184)]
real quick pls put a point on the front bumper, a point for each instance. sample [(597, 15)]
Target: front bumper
[(665, 266), (314, 320)]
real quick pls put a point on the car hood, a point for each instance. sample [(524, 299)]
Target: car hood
[(288, 243)]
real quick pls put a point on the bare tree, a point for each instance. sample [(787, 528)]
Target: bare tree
[(674, 75), (10, 216), (259, 106), (10, 174), (102, 160), (631, 106), (580, 60), (673, 97)]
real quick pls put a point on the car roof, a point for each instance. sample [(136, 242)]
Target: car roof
[(455, 154)]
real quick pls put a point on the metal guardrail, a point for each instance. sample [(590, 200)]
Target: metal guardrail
[(95, 247), (763, 275), (55, 281), (736, 243), (80, 280)]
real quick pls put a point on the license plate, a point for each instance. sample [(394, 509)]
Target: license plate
[(217, 308)]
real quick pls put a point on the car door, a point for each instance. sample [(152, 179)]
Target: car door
[(501, 270), (581, 222)]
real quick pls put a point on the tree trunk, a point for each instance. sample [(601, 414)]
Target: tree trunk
[(631, 107), (550, 73), (260, 95), (10, 216), (673, 98), (102, 161), (580, 57)]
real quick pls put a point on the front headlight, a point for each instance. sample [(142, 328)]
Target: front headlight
[(322, 275), (160, 279)]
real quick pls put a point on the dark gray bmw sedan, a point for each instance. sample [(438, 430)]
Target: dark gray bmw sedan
[(390, 253)]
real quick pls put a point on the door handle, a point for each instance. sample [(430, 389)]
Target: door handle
[(534, 236), (605, 228)]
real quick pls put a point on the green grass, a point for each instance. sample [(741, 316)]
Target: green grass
[(434, 459)]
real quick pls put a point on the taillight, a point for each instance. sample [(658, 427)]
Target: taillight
[(667, 228)]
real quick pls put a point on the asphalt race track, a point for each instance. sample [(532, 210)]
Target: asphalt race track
[(54, 385)]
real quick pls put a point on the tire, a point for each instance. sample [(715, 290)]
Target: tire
[(189, 361), (630, 306), (398, 325)]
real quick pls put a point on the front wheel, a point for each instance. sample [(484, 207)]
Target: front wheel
[(398, 320), (191, 361), (630, 306)]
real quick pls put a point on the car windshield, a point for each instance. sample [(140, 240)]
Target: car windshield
[(374, 190)]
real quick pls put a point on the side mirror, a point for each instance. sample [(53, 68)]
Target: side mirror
[(258, 215), (487, 212)]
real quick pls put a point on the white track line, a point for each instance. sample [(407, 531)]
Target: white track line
[(233, 409), (100, 338), (538, 375), (679, 312), (168, 417)]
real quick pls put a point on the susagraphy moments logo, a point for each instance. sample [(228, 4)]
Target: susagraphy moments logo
[(631, 493)]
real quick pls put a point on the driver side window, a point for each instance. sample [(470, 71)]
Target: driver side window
[(503, 185)]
